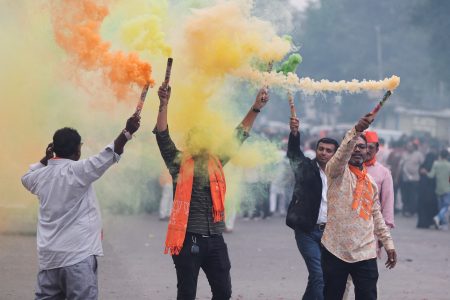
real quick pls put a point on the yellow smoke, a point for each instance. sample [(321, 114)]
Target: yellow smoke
[(215, 41), (143, 29)]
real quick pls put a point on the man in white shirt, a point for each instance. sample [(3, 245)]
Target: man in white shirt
[(69, 221), (307, 212)]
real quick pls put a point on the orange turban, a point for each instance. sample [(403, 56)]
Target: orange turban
[(371, 136)]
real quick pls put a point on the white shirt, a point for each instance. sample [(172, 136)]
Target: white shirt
[(323, 203), (69, 221)]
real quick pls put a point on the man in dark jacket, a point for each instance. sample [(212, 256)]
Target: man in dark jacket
[(307, 212)]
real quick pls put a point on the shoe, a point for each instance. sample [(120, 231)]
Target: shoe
[(444, 227), (436, 221)]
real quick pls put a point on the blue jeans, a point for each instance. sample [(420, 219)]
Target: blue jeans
[(444, 202), (309, 246)]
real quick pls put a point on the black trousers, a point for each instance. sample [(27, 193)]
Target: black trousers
[(409, 191), (212, 258), (335, 273)]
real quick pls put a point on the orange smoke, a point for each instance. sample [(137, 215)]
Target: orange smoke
[(76, 26)]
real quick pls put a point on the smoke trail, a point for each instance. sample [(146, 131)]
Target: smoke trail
[(144, 29), (76, 27), (310, 86)]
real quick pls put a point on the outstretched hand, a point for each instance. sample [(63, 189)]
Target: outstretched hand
[(133, 123), (364, 122), (261, 98)]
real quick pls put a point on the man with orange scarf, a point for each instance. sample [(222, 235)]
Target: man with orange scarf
[(194, 235), (354, 215), (382, 177)]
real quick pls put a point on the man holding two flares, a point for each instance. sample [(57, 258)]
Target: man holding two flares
[(194, 235)]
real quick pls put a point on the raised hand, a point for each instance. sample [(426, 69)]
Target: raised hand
[(364, 122), (294, 124), (133, 123), (261, 98), (164, 94)]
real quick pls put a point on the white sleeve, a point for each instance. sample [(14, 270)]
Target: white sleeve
[(88, 170), (29, 179)]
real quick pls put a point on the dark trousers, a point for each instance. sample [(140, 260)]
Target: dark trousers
[(212, 259), (410, 191), (309, 245), (335, 273)]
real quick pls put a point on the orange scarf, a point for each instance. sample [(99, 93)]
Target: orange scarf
[(363, 193), (176, 231), (371, 162)]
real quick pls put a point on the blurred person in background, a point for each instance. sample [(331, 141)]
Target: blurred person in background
[(409, 174), (427, 202), (281, 179), (382, 177), (441, 171), (383, 152), (393, 162), (165, 205)]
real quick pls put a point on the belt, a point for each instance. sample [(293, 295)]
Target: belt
[(321, 226), (204, 235)]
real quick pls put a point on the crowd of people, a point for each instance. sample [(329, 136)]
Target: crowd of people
[(268, 189), (339, 202)]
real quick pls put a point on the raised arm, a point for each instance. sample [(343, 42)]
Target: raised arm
[(164, 96), (336, 166), (243, 129), (90, 169), (169, 151), (261, 99), (294, 153)]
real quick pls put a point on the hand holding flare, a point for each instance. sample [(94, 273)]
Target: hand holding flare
[(290, 66), (145, 89), (380, 104), (365, 122)]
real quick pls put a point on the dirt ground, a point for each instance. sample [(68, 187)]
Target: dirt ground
[(265, 262)]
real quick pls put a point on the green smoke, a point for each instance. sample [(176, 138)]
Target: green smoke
[(291, 64)]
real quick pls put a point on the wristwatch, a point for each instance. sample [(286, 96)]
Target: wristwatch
[(127, 134), (256, 110)]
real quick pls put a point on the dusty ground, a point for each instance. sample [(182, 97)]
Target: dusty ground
[(265, 262)]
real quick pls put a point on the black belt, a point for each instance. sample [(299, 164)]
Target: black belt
[(321, 226), (204, 235)]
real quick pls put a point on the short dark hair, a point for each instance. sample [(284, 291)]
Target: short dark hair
[(364, 138), (327, 140), (65, 142), (444, 154)]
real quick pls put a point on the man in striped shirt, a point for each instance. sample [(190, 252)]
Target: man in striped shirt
[(196, 241)]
